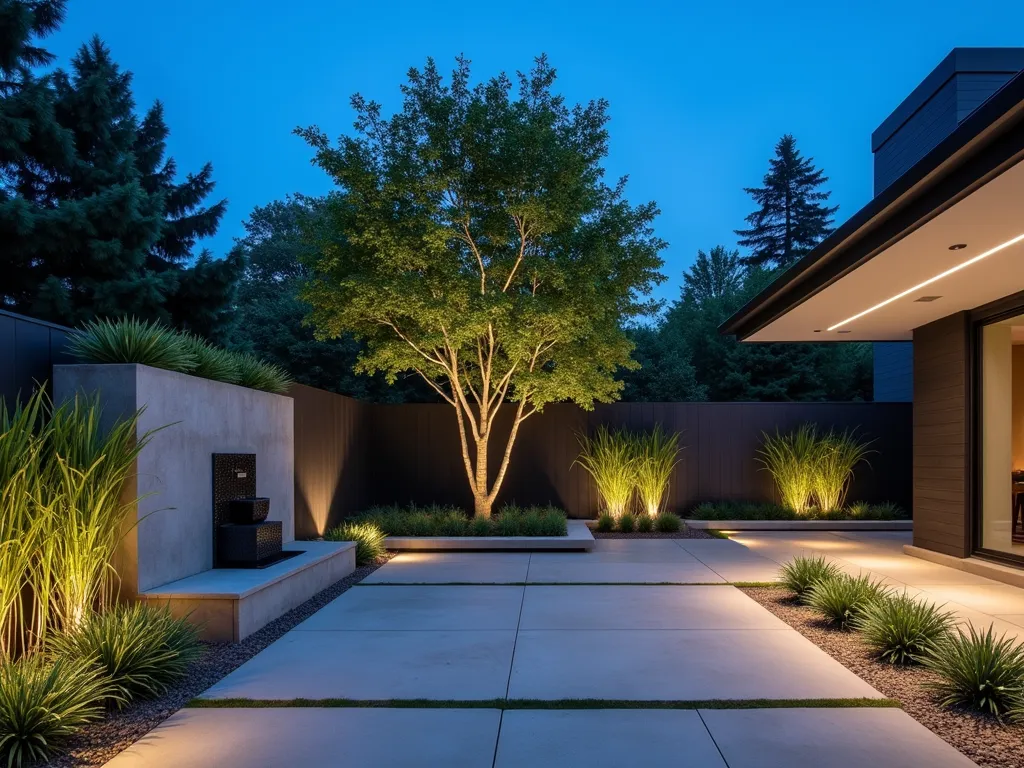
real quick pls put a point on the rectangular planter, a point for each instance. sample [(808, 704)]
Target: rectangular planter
[(801, 525), (578, 538)]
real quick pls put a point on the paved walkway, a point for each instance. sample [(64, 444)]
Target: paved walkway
[(468, 627)]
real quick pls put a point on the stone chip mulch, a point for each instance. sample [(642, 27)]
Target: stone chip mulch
[(101, 741), (979, 737)]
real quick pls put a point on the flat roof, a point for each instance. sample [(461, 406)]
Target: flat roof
[(983, 146)]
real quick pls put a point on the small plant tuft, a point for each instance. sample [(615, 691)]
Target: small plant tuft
[(842, 598), (605, 522), (667, 522), (627, 523), (802, 572), (644, 523), (254, 373), (368, 536), (212, 362), (139, 648), (978, 671), (900, 629), (43, 702)]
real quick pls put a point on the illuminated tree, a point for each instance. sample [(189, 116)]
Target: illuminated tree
[(473, 240)]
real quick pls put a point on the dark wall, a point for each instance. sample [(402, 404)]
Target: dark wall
[(410, 453), (28, 351), (893, 371), (940, 430)]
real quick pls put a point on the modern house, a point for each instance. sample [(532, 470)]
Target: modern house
[(937, 258)]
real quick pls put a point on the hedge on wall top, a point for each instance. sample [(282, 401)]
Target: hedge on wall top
[(129, 340)]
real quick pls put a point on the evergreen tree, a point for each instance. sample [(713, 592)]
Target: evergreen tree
[(792, 216), (714, 275)]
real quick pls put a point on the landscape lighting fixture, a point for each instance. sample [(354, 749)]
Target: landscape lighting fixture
[(930, 280)]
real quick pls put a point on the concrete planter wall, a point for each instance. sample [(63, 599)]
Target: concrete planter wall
[(173, 538)]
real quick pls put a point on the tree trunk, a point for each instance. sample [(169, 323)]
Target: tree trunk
[(481, 499)]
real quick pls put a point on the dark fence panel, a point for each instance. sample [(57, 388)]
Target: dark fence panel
[(414, 453), (28, 351)]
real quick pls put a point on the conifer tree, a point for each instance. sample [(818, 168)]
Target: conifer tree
[(792, 216)]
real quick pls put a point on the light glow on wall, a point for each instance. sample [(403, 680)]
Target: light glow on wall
[(930, 280)]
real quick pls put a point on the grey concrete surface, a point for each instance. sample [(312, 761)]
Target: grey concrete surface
[(827, 738), (393, 664), (446, 567), (610, 738), (578, 537), (282, 738)]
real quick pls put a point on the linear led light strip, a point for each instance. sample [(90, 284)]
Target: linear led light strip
[(930, 280)]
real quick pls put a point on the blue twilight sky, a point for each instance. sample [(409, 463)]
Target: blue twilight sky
[(699, 92)]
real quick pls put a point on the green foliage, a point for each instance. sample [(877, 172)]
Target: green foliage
[(436, 520), (472, 241), (738, 510), (900, 629), (667, 522), (605, 522), (801, 573), (791, 216), (93, 219), (61, 515), (369, 539), (211, 362), (656, 454), (627, 522), (841, 599), (644, 523), (128, 340), (837, 455), (978, 671), (253, 372), (140, 649), (43, 702), (610, 459), (792, 460)]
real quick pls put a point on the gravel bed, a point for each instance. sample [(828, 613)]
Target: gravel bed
[(101, 741), (682, 533), (980, 737)]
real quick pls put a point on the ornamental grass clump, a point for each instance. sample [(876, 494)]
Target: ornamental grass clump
[(367, 535), (605, 522), (836, 455), (256, 374), (666, 522), (842, 598), (212, 362), (610, 459), (140, 649), (627, 522), (801, 573), (644, 523), (978, 671), (791, 459), (43, 702), (129, 340), (656, 454), (900, 629)]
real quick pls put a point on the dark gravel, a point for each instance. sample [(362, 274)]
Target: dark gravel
[(683, 533), (980, 737), (101, 741)]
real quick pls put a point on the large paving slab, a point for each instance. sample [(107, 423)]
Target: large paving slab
[(272, 738), (827, 738), (457, 567), (642, 607), (677, 665), (472, 664), (588, 569), (420, 607), (606, 739)]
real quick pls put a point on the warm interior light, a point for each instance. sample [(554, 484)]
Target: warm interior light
[(930, 280)]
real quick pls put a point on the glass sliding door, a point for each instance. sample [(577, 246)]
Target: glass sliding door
[(1000, 437)]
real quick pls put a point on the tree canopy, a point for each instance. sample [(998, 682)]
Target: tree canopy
[(473, 240)]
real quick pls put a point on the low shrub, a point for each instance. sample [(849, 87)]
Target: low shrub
[(132, 341), (368, 536), (733, 510), (605, 522), (978, 671), (211, 362), (802, 572), (900, 629), (644, 523), (140, 649), (437, 520), (666, 522), (841, 599), (43, 702), (627, 522)]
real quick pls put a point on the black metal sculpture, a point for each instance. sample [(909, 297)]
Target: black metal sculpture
[(242, 535)]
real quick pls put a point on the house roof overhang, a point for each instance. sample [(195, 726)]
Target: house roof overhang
[(866, 281)]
